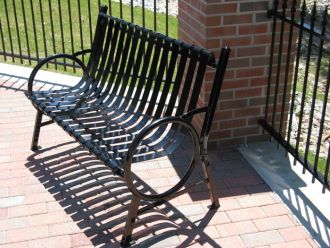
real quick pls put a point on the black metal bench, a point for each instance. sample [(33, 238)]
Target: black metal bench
[(135, 101)]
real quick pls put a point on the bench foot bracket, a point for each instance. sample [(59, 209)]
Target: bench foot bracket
[(214, 206), (127, 242)]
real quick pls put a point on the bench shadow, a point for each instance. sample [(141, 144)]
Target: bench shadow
[(98, 202)]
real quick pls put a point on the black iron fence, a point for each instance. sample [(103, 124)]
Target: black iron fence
[(33, 29), (297, 112)]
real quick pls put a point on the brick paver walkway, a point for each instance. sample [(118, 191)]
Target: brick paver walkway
[(63, 197)]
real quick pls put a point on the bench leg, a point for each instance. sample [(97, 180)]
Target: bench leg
[(131, 217), (36, 132), (210, 183)]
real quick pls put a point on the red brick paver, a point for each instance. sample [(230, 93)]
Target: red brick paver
[(63, 197)]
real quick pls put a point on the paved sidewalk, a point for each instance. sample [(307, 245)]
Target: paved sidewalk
[(63, 197)]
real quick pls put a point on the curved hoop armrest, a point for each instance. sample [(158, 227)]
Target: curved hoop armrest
[(194, 112), (188, 115), (144, 132), (82, 52), (53, 57)]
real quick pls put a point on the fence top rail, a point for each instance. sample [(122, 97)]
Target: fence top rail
[(297, 23), (301, 18)]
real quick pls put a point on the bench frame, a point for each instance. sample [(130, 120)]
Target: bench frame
[(199, 141)]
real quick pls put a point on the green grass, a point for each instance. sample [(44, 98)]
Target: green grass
[(46, 46), (321, 163), (311, 77), (323, 71)]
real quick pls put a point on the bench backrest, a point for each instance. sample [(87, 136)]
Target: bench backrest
[(158, 75)]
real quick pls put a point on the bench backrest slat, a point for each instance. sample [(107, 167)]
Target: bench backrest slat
[(145, 59), (188, 82), (168, 81), (177, 83), (135, 63), (102, 70), (109, 73), (117, 56), (198, 81), (151, 73), (159, 77), (124, 61), (97, 46), (154, 74)]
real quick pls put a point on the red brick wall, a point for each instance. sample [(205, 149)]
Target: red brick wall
[(244, 26)]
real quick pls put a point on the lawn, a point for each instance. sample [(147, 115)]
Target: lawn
[(321, 162), (39, 29), (323, 72)]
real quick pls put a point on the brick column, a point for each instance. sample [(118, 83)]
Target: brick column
[(244, 26)]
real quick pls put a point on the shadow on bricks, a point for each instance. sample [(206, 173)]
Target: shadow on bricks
[(98, 201)]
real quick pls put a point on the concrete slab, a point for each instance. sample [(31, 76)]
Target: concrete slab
[(304, 198), (48, 79)]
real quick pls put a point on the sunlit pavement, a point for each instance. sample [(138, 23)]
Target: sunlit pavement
[(61, 196)]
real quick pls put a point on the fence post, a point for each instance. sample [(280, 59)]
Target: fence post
[(245, 27)]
